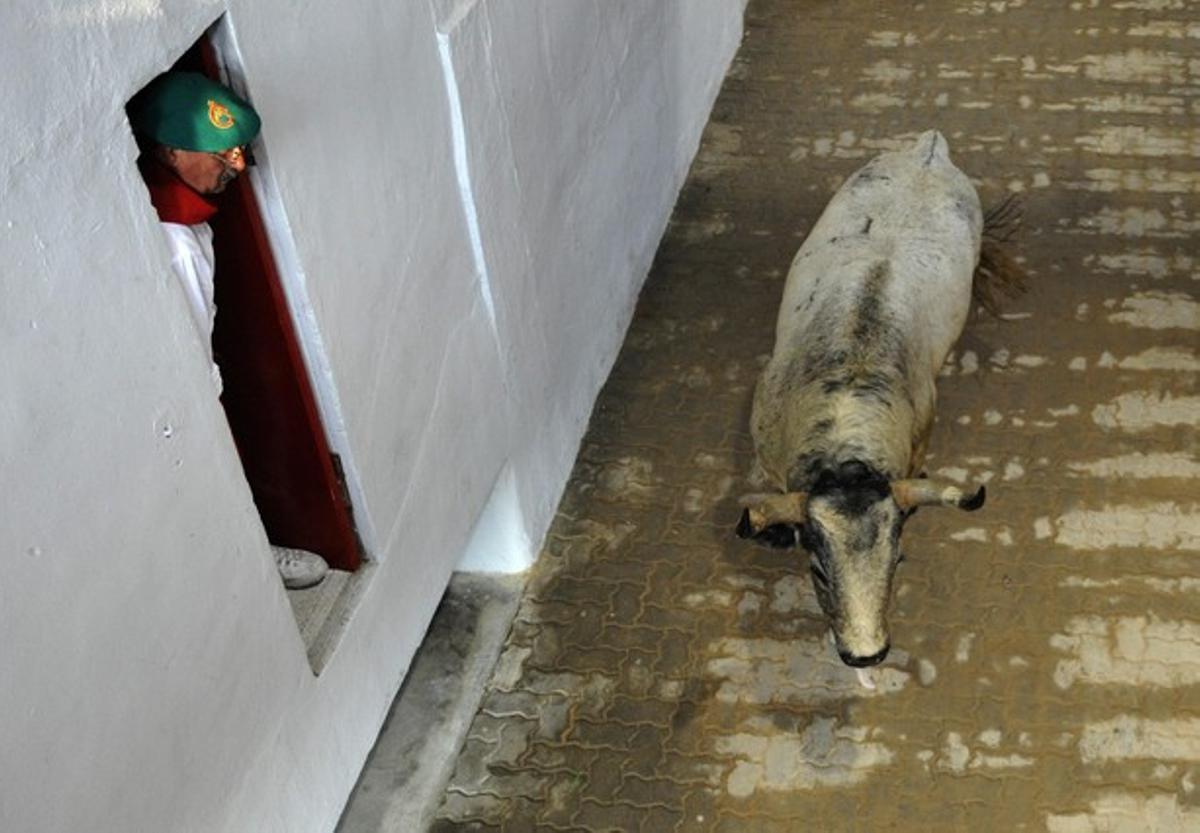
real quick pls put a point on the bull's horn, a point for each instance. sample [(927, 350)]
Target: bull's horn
[(762, 511), (910, 494)]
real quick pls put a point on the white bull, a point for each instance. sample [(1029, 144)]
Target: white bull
[(874, 300)]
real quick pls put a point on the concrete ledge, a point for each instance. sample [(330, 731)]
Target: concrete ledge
[(406, 773)]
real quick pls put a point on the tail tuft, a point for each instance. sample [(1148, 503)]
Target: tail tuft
[(1002, 221), (998, 275)]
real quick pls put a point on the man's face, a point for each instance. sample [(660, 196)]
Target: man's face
[(204, 172)]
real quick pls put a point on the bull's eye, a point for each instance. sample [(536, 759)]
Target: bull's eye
[(809, 539)]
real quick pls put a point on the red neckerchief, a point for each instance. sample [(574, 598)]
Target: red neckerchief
[(174, 201)]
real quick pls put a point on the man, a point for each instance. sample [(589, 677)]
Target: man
[(193, 133)]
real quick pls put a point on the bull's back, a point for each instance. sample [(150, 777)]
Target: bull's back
[(879, 291), (911, 210)]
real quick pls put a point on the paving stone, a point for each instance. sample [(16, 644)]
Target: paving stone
[(602, 784), (487, 727), (548, 757), (641, 710), (509, 784), (500, 704), (607, 735), (471, 774), (656, 818), (649, 792), (514, 740), (445, 825), (555, 683), (482, 810), (618, 816), (562, 802)]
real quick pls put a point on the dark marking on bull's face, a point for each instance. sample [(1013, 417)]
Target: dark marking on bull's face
[(821, 428), (808, 466), (852, 535)]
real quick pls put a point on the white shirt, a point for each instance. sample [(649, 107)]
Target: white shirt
[(194, 264)]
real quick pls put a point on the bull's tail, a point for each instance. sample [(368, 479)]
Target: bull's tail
[(998, 275)]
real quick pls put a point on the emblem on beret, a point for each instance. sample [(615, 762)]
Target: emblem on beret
[(219, 115)]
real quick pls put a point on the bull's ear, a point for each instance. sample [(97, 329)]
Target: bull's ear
[(762, 511), (909, 494)]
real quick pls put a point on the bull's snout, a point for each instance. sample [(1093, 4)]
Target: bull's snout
[(864, 662)]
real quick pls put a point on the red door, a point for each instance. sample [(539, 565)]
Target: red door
[(296, 481)]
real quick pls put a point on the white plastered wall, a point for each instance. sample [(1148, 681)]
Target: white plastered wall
[(151, 674)]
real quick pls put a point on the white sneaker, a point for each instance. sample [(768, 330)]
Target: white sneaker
[(299, 568)]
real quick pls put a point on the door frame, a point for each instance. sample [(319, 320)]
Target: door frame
[(292, 282)]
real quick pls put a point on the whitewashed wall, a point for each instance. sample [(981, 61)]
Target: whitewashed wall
[(470, 245)]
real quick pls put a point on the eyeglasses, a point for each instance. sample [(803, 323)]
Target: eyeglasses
[(234, 156)]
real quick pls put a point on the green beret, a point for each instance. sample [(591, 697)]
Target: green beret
[(188, 111)]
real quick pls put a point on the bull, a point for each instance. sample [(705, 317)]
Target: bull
[(874, 300)]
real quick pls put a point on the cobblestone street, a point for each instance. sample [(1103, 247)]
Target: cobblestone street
[(664, 675)]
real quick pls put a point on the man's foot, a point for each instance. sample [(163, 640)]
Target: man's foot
[(299, 568)]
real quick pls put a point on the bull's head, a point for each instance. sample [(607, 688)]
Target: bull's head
[(850, 523)]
